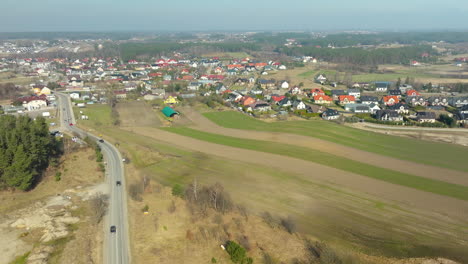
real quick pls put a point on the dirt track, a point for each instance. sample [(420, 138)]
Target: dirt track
[(390, 192), (456, 177)]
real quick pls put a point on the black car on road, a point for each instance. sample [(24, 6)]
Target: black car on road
[(113, 229)]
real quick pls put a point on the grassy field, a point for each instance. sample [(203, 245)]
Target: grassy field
[(416, 182), (99, 115), (425, 152)]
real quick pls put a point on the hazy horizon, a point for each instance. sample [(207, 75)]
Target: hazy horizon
[(242, 15)]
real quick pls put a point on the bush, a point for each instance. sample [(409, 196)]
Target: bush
[(178, 190), (58, 176), (289, 224), (213, 260), (235, 251), (145, 208)]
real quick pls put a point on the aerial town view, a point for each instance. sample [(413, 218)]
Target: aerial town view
[(297, 132)]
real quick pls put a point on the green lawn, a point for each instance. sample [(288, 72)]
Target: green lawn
[(416, 182), (425, 152), (308, 74), (99, 115)]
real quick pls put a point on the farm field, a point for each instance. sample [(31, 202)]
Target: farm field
[(322, 175), (417, 182), (338, 206), (425, 152)]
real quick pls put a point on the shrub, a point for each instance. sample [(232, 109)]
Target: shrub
[(213, 260), (58, 176), (145, 208), (178, 190), (235, 251), (289, 224)]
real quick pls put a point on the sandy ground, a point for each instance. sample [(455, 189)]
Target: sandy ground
[(204, 124), (408, 196)]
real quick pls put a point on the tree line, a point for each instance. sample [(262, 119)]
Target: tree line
[(26, 149), (361, 56)]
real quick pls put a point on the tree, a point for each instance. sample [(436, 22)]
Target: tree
[(18, 173), (407, 81), (447, 120), (398, 83)]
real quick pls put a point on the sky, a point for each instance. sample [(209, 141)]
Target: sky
[(232, 15)]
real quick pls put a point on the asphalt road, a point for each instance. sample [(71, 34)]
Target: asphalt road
[(116, 245)]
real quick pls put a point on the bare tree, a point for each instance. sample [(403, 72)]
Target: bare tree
[(98, 204)]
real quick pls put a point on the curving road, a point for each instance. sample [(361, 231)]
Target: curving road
[(116, 246)]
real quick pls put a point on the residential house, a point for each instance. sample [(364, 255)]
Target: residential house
[(265, 84), (388, 115), (390, 100), (354, 92), (437, 100), (316, 91), (295, 90), (382, 86), (33, 102), (412, 92), (336, 93), (256, 91), (313, 108), (277, 98), (458, 101), (120, 94), (405, 87), (285, 102), (357, 108), (374, 107), (346, 99), (426, 117), (260, 106), (463, 109), (284, 85), (75, 81), (321, 79), (220, 88), (130, 86), (400, 108), (415, 100), (462, 118), (330, 114), (75, 96), (299, 105), (247, 100), (366, 99), (194, 86), (395, 92), (323, 99)]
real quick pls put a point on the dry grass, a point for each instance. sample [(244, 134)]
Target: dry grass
[(137, 113), (77, 168)]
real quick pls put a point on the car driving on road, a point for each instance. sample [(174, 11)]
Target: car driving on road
[(113, 229)]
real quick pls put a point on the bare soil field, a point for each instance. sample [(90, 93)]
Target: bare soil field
[(204, 124), (137, 113)]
